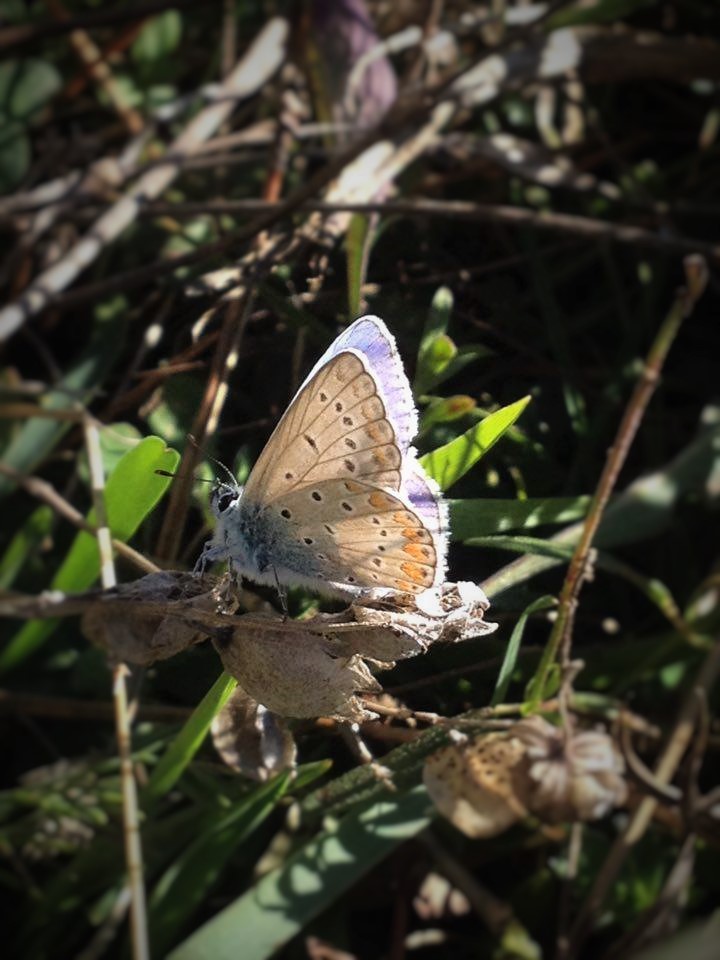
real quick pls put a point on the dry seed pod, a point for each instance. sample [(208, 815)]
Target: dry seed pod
[(479, 785), (485, 785)]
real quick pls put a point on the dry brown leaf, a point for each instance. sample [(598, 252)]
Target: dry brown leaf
[(251, 739)]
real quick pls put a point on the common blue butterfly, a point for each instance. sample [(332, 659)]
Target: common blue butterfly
[(337, 501)]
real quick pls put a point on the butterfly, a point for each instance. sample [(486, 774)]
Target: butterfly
[(337, 501)]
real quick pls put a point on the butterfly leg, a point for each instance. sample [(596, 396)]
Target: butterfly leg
[(282, 593), (210, 553)]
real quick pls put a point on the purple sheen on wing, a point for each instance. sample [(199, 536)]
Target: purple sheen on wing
[(370, 338), (427, 500)]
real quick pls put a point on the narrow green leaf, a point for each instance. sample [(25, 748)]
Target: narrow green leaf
[(357, 250), (24, 544), (451, 461), (285, 900), (480, 518), (192, 876), (511, 654), (187, 743), (132, 491), (39, 436)]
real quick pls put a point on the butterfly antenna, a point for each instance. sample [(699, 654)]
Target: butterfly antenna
[(166, 473), (215, 460)]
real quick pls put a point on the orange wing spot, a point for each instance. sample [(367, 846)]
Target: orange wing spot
[(407, 587), (414, 572), (403, 517), (417, 551), (414, 534), (372, 430), (380, 457), (352, 487), (379, 500)]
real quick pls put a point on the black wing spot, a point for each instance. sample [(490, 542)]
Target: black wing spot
[(285, 513), (350, 443), (310, 442), (329, 528), (323, 397), (346, 506), (351, 579), (321, 556), (383, 533), (339, 407), (348, 421), (289, 476), (375, 576), (349, 465), (376, 521), (377, 561), (381, 548), (315, 495), (308, 540)]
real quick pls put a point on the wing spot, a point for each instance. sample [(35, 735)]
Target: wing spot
[(377, 561), (349, 465), (383, 533), (375, 576), (329, 528), (285, 513), (346, 506), (323, 397), (321, 556), (308, 540), (350, 443), (310, 442), (382, 548), (351, 579), (316, 496), (339, 407), (348, 421), (289, 476)]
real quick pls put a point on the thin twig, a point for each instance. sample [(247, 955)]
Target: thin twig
[(131, 819), (560, 637), (667, 764), (259, 63), (46, 493)]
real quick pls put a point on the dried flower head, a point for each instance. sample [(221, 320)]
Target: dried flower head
[(485, 785)]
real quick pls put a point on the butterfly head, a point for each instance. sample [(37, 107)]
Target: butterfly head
[(224, 498)]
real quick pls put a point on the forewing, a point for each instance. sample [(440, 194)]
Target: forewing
[(335, 428)]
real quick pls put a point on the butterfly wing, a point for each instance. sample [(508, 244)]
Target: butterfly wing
[(347, 532), (335, 428), (337, 496)]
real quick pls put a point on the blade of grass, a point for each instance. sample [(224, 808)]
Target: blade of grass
[(511, 654), (187, 743), (284, 901)]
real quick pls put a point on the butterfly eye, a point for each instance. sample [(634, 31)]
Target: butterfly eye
[(225, 501)]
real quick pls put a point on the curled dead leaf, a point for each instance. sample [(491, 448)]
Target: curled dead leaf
[(251, 739)]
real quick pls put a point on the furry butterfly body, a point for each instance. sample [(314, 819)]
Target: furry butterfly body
[(337, 500)]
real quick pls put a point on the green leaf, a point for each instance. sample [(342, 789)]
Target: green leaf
[(284, 901), (159, 38), (15, 154), (481, 518), (602, 11), (513, 648), (25, 87), (38, 437), (25, 544), (450, 462), (132, 491), (445, 410), (192, 876), (190, 739)]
